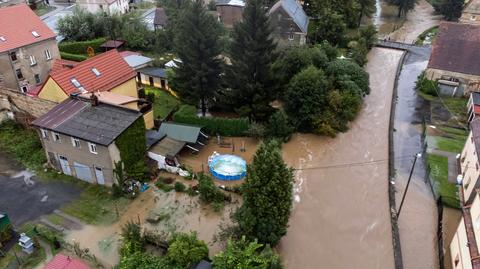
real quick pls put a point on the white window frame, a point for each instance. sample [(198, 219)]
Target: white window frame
[(33, 61), (56, 136), (75, 142), (24, 89), (44, 134), (92, 147), (48, 55), (291, 36)]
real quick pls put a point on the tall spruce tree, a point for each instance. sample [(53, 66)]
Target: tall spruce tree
[(196, 43), (252, 54), (267, 196)]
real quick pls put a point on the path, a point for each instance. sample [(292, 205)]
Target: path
[(52, 17), (452, 163), (48, 254), (418, 219), (418, 21), (341, 215)]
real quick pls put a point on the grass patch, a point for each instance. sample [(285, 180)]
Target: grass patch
[(56, 219), (427, 37), (447, 191), (449, 144), (164, 102)]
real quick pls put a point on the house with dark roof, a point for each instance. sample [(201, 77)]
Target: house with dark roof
[(471, 12), (27, 48), (160, 19), (289, 22), (454, 59), (107, 6), (473, 106), (79, 137), (153, 76), (229, 11)]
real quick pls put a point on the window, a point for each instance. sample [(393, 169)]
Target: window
[(93, 148), (37, 78), (96, 72), (35, 34), (48, 55), (457, 260), (472, 18), (3, 39), (24, 89), (75, 82), (56, 137), (44, 134), (290, 36), (19, 73), (76, 142), (33, 61), (13, 56)]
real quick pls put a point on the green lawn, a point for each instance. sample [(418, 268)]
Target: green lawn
[(427, 37), (164, 102), (449, 144), (439, 174)]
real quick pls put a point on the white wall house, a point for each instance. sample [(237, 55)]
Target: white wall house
[(108, 6)]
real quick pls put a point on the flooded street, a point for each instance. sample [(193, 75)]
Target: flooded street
[(418, 219), (341, 212)]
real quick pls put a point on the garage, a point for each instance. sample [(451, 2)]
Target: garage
[(83, 172)]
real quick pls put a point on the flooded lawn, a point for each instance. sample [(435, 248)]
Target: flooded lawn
[(341, 214)]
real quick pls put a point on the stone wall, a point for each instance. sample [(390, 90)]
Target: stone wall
[(24, 107)]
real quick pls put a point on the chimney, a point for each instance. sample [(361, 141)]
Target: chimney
[(94, 99)]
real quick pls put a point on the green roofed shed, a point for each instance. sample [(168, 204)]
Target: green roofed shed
[(180, 132)]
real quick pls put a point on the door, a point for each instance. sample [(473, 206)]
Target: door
[(65, 166), (99, 175), (139, 77), (83, 172), (164, 85), (150, 80)]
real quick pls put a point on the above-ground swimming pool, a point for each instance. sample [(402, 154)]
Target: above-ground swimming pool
[(227, 167)]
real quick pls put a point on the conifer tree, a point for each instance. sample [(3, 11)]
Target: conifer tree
[(267, 196), (252, 53), (197, 78)]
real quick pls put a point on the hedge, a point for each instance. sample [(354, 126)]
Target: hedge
[(213, 125), (80, 47), (73, 57)]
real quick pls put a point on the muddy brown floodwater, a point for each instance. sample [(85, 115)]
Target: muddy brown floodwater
[(341, 214)]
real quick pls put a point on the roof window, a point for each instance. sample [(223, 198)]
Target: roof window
[(75, 83), (35, 34), (96, 72), (3, 39)]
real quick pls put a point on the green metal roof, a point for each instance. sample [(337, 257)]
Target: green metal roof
[(180, 132)]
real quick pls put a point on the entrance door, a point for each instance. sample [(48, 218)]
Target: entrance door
[(65, 166), (83, 172), (139, 77), (150, 80), (99, 175), (164, 85)]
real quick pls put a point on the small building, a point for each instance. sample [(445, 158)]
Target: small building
[(473, 106), (65, 262), (471, 12), (470, 162), (229, 11), (107, 6), (27, 48), (454, 58), (112, 45), (166, 143), (289, 22), (135, 60), (160, 20), (153, 76), (79, 137)]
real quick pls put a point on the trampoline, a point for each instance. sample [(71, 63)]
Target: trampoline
[(227, 167)]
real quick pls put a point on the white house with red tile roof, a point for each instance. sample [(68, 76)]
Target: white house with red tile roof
[(108, 6), (27, 48)]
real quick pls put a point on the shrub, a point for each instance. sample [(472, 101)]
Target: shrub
[(141, 93), (209, 193), (213, 125), (256, 130), (279, 126), (80, 47), (73, 57), (164, 187), (151, 97), (426, 86), (180, 187)]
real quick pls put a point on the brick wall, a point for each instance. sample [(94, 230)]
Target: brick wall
[(23, 105)]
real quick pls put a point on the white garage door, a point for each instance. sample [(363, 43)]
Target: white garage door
[(83, 172)]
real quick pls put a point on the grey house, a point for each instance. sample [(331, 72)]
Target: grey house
[(290, 23), (79, 136)]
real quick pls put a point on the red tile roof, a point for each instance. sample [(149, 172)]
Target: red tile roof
[(61, 261), (456, 48), (61, 65), (16, 26), (113, 70), (476, 109)]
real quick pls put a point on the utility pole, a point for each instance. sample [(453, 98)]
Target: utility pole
[(418, 155)]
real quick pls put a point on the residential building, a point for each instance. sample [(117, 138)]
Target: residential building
[(136, 60), (453, 61), (290, 23), (106, 72), (79, 137), (108, 6), (229, 11), (27, 48), (471, 12), (160, 20), (469, 162), (473, 106), (153, 76)]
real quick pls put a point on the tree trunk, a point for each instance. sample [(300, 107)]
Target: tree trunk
[(399, 11), (361, 15), (204, 107)]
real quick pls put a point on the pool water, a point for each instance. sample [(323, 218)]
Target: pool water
[(228, 167)]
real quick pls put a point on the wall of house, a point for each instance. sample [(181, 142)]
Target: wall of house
[(459, 249), (128, 88), (157, 82), (52, 92), (228, 15), (20, 102), (81, 155), (42, 67), (285, 31), (148, 118), (470, 18), (475, 213), (468, 82), (470, 168)]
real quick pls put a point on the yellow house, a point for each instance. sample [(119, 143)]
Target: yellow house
[(107, 72), (469, 162)]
